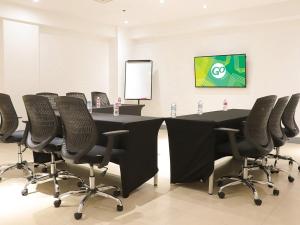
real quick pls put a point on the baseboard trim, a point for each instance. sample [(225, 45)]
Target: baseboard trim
[(295, 140)]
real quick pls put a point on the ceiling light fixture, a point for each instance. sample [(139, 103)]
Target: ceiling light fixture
[(204, 6), (161, 1), (35, 1), (126, 22)]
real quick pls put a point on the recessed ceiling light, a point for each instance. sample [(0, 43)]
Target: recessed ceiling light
[(35, 0), (204, 6), (126, 22), (161, 1)]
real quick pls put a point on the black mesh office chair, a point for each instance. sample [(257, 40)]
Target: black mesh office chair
[(9, 134), (104, 101), (290, 129), (80, 137), (278, 135), (51, 97), (42, 138), (256, 144), (77, 95)]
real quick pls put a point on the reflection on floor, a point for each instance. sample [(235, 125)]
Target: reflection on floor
[(166, 204)]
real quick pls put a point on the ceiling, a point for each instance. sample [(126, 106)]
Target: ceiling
[(141, 12)]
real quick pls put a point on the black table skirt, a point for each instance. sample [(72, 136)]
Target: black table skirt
[(125, 109), (192, 141), (139, 163)]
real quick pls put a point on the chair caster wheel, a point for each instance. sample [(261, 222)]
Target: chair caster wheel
[(290, 163), (257, 202), (270, 186), (56, 195), (119, 208), (291, 179), (44, 170), (221, 195), (275, 192), (25, 192), (77, 216), (19, 166), (116, 193), (57, 203), (125, 195), (219, 183), (80, 184), (299, 168)]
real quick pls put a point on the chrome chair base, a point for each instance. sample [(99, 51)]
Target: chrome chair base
[(20, 165), (53, 176), (247, 180), (277, 157), (90, 191)]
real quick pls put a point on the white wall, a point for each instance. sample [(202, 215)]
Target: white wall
[(21, 61), (124, 54), (73, 63), (38, 59), (272, 58)]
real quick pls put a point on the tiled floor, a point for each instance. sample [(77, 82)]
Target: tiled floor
[(166, 204)]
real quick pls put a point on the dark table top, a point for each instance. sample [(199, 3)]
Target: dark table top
[(121, 118), (216, 116), (123, 105)]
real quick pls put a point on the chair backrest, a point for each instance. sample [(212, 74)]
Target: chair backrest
[(104, 101), (9, 118), (256, 127), (43, 123), (288, 118), (77, 95), (80, 132), (274, 125), (51, 97)]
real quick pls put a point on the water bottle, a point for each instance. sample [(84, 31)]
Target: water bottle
[(225, 105), (116, 109), (119, 101), (173, 110), (200, 107), (89, 106), (98, 102)]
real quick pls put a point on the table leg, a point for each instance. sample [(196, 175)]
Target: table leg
[(155, 179), (211, 184)]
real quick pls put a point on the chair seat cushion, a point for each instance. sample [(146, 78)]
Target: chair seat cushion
[(15, 137), (95, 156), (54, 145), (245, 148)]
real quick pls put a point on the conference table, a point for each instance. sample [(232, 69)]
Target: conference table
[(192, 141), (138, 163), (124, 109)]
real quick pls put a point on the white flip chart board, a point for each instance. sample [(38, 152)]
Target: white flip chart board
[(138, 79)]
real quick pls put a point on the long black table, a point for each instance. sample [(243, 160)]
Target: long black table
[(192, 140), (124, 109), (138, 163)]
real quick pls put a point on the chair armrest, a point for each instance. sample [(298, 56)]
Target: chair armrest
[(232, 139), (115, 133), (227, 129), (110, 143)]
